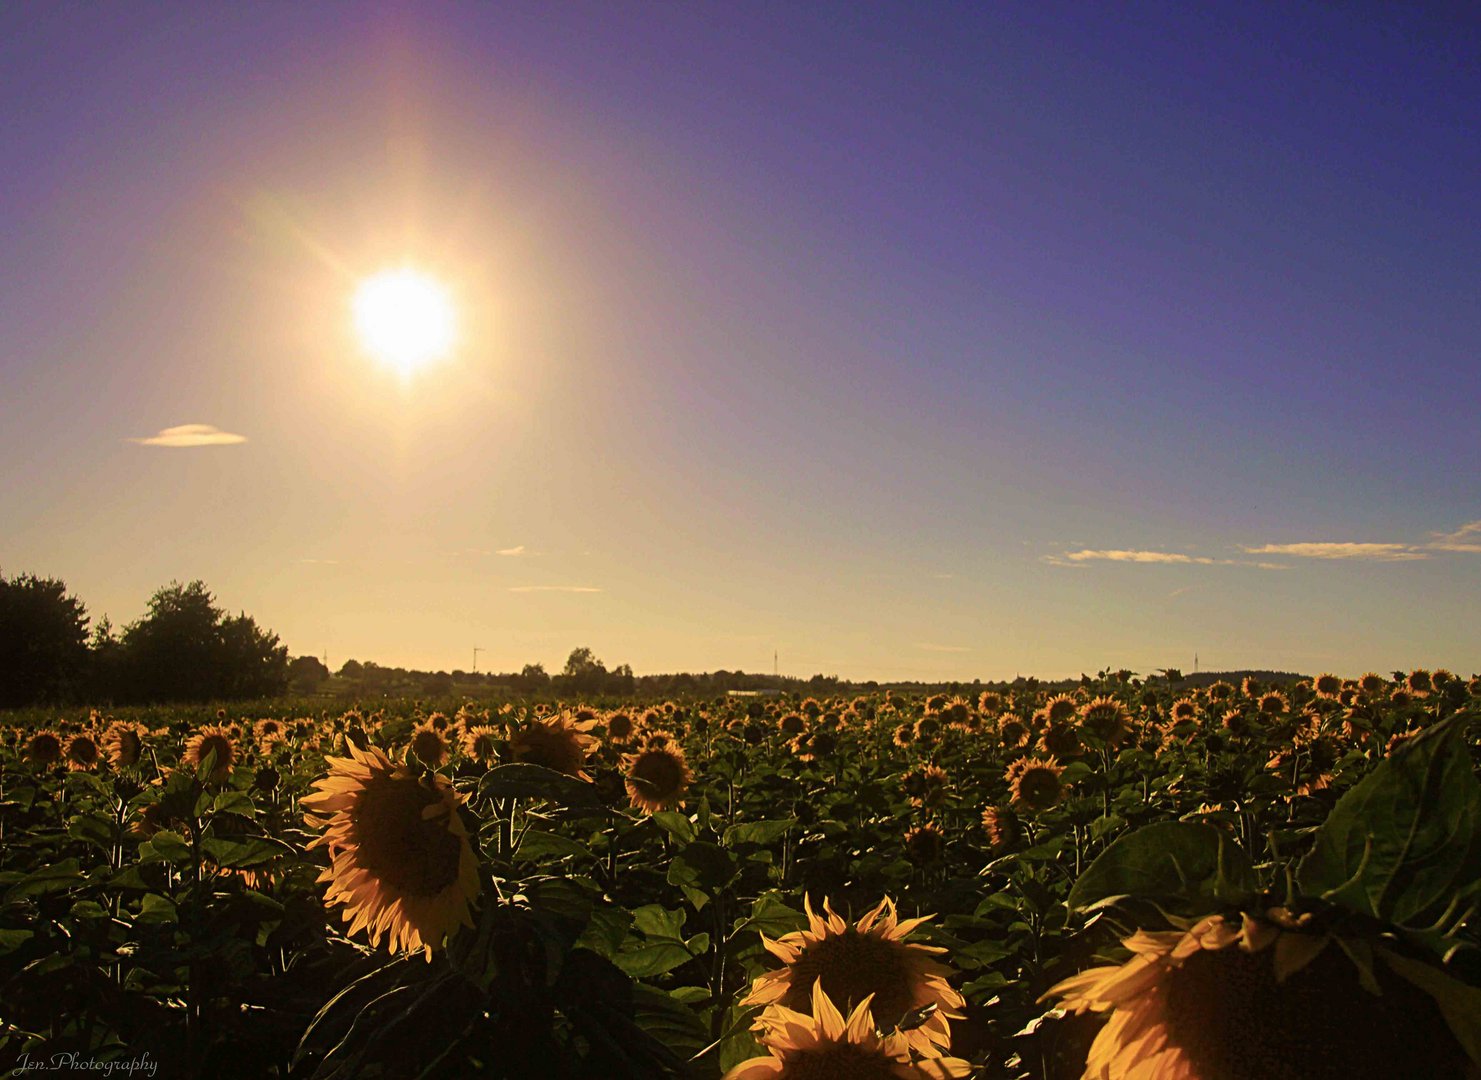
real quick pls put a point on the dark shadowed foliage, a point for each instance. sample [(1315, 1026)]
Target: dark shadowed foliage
[(43, 641)]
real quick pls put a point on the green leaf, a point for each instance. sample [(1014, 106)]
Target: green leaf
[(655, 922), (648, 961), (758, 832), (1167, 859), (166, 845), (11, 940), (156, 909), (702, 865), (235, 802), (676, 825), (1459, 1003), (59, 877), (1406, 839), (770, 916), (523, 780), (537, 845), (92, 829)]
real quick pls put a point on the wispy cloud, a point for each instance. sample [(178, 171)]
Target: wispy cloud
[(320, 562), (1119, 555), (930, 647), (555, 588), (1328, 549), (1083, 558), (190, 435), (1466, 538), (519, 549)]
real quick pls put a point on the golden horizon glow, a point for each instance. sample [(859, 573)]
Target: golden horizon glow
[(405, 319)]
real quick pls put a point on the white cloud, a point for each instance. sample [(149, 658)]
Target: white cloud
[(555, 588), (929, 647), (1466, 538), (1327, 549), (191, 435), (1116, 555), (518, 550)]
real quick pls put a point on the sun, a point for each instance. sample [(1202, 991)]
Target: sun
[(405, 319)]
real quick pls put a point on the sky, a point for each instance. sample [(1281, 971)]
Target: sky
[(901, 341)]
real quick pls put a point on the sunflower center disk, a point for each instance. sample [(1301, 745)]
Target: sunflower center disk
[(853, 966), (395, 845), (839, 1061), (1236, 1022)]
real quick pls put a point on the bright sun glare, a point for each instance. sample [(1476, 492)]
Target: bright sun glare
[(404, 318)]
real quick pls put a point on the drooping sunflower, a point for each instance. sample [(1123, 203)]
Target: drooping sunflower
[(657, 777), (1060, 739), (1264, 998), (1034, 782), (1002, 827), (123, 743), (871, 961), (208, 739), (399, 855), (428, 743), (44, 748), (558, 742), (822, 1045), (926, 786), (925, 845)]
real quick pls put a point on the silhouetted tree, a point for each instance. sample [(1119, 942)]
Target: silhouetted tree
[(186, 649), (351, 669), (307, 673), (43, 641)]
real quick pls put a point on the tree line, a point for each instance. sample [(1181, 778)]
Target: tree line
[(184, 648)]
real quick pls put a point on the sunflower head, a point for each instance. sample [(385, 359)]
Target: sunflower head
[(1034, 782), (1274, 704), (82, 752), (926, 786), (123, 743), (480, 742), (206, 742), (866, 961), (925, 845), (400, 861), (1328, 685), (1106, 719), (1372, 683), (619, 726), (657, 778), (1060, 707), (1002, 827), (821, 1044), (1235, 999), (44, 748), (1220, 691), (1184, 709), (428, 745), (1060, 740), (558, 742)]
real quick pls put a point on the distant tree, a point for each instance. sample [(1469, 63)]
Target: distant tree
[(307, 673), (187, 649), (351, 669), (437, 684), (532, 677), (584, 673), (43, 641)]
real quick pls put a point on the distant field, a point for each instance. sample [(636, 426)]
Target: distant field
[(522, 889)]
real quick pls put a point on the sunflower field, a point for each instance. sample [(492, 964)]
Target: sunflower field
[(1120, 878)]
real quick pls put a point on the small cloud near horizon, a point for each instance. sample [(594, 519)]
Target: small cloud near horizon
[(190, 435), (555, 588), (1467, 538), (518, 549), (929, 647)]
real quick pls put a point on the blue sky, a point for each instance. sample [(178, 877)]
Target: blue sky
[(869, 333)]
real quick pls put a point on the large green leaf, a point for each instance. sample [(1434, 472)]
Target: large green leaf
[(1405, 842), (1169, 859), (520, 779)]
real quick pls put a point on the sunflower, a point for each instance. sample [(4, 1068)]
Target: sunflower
[(823, 1044), (124, 743), (1372, 683), (1328, 686), (1035, 782), (657, 778), (82, 752), (1419, 682), (870, 961), (1013, 732), (904, 735), (1060, 707), (991, 702), (1274, 704), (1060, 739), (428, 744), (1286, 1004), (1002, 827), (792, 724), (1184, 709), (268, 732), (204, 742), (925, 844), (619, 727), (926, 786), (399, 855), (480, 742), (1220, 691), (44, 748), (560, 743), (1106, 719)]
